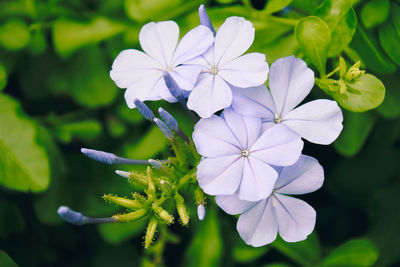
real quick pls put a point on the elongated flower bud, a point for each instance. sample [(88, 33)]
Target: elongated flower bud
[(168, 119), (131, 216), (163, 214), (201, 212), (155, 163), (173, 87), (164, 128), (78, 218), (124, 202), (110, 158), (204, 19), (144, 110), (181, 208), (150, 232)]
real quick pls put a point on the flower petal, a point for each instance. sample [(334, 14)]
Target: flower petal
[(220, 176), (131, 65), (159, 40), (185, 76), (209, 95), (258, 180), (146, 88), (231, 204), (278, 146), (213, 138), (258, 226), (193, 44), (254, 102), (305, 176), (296, 219), (245, 71), (290, 81), (233, 38), (318, 121), (245, 129)]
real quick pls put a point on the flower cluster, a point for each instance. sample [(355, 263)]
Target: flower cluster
[(250, 153)]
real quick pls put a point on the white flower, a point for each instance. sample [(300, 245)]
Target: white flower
[(223, 65), (260, 222), (142, 73)]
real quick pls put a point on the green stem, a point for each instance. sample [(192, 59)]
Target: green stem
[(185, 179), (332, 72)]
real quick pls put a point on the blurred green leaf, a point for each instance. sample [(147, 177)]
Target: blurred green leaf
[(305, 5), (276, 5), (244, 253), (342, 21), (14, 34), (88, 79), (115, 127), (369, 50), (70, 35), (205, 249), (11, 220), (390, 107), (389, 35), (375, 12), (307, 252), (116, 233), (131, 116), (282, 47), (3, 76), (356, 129), (38, 43), (84, 130), (6, 261), (24, 165), (277, 265), (314, 37), (365, 93), (149, 146), (354, 253)]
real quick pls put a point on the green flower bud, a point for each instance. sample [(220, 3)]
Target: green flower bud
[(150, 232), (124, 202), (181, 208), (131, 216), (163, 214)]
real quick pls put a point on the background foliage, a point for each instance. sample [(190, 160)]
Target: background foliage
[(56, 96)]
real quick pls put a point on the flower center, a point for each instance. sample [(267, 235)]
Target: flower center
[(169, 69), (277, 119), (214, 70), (245, 153)]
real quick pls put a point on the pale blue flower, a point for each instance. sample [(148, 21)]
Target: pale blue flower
[(237, 155), (290, 81), (293, 218), (142, 73), (223, 65)]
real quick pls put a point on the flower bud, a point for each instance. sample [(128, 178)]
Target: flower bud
[(181, 208), (124, 202), (131, 216), (150, 232), (163, 214)]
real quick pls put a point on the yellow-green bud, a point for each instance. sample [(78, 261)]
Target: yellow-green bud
[(166, 187), (342, 67), (354, 72), (131, 216), (151, 191), (138, 179), (124, 202), (163, 214), (150, 232), (181, 208)]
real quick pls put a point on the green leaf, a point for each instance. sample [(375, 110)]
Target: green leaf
[(6, 261), (390, 107), (149, 146), (282, 47), (354, 253), (116, 233), (11, 220), (84, 130), (243, 253), (342, 21), (364, 93), (369, 50), (3, 76), (14, 34), (70, 35), (375, 12), (314, 38), (24, 165), (88, 79), (276, 5), (357, 127), (205, 249), (306, 252), (277, 265), (389, 35)]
